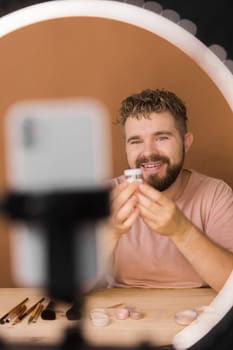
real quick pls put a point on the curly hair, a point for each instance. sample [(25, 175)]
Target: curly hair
[(142, 104)]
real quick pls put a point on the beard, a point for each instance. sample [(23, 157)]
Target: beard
[(155, 180)]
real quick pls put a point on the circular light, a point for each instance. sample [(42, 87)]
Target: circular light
[(172, 15), (153, 6), (219, 51), (188, 25)]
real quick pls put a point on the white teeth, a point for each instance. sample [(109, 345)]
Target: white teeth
[(152, 165)]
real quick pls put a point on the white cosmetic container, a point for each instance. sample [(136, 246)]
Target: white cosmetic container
[(132, 175)]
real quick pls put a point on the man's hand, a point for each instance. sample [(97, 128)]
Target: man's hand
[(124, 209), (160, 213), (164, 217)]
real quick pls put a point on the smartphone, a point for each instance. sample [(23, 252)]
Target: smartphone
[(54, 145)]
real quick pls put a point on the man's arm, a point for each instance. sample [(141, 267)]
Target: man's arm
[(124, 212), (212, 262)]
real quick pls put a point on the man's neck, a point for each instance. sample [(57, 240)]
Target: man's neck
[(175, 190)]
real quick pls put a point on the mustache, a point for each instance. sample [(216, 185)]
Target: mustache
[(152, 158)]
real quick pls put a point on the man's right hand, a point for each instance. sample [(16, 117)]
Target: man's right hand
[(124, 209)]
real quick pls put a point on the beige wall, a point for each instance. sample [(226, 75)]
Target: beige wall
[(107, 60)]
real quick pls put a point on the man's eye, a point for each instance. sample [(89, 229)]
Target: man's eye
[(135, 142), (162, 138)]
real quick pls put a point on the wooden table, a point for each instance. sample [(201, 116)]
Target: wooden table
[(158, 325)]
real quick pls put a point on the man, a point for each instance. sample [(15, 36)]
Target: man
[(176, 229)]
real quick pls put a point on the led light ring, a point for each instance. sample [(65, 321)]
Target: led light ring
[(210, 317), (131, 14), (185, 23)]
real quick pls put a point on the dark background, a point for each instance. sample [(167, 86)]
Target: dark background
[(212, 17)]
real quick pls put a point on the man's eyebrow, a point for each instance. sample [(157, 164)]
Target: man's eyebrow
[(163, 132)]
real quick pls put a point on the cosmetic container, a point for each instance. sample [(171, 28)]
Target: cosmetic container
[(132, 175)]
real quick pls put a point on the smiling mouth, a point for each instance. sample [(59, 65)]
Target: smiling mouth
[(152, 166)]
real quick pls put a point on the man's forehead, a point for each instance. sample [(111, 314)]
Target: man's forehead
[(155, 121)]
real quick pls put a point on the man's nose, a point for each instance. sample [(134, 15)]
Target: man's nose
[(149, 148)]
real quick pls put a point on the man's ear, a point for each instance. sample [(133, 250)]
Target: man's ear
[(188, 140)]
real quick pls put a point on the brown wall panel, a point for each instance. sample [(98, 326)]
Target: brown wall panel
[(107, 60)]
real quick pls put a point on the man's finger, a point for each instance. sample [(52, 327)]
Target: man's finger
[(123, 195), (124, 212), (153, 194)]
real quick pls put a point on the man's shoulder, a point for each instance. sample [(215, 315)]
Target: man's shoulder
[(207, 182)]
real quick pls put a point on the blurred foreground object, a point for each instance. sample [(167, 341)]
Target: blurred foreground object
[(58, 167)]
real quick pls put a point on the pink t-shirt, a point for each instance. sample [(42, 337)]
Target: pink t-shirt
[(146, 259)]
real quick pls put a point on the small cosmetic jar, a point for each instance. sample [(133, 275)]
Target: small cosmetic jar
[(132, 175)]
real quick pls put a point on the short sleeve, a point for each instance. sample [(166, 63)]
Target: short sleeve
[(219, 225)]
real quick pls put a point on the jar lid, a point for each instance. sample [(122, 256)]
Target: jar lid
[(132, 172)]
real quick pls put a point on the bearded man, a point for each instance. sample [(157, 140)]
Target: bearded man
[(175, 230)]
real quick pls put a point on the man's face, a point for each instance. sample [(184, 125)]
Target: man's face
[(156, 146)]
